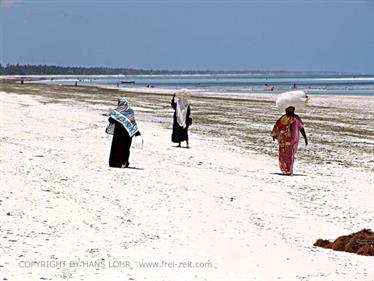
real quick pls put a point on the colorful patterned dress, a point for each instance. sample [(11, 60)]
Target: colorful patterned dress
[(286, 130)]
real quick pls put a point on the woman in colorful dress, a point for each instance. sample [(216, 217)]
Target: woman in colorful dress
[(125, 128), (182, 117), (286, 131)]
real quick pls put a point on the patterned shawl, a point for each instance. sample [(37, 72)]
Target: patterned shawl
[(283, 130), (125, 115)]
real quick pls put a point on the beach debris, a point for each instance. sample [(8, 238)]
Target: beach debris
[(361, 243)]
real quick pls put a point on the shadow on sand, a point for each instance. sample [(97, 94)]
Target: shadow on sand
[(294, 175), (181, 147), (135, 168)]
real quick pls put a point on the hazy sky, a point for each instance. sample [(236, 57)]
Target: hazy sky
[(190, 34)]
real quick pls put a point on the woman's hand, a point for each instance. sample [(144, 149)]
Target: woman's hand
[(302, 131)]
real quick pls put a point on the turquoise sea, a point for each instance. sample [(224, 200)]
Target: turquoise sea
[(325, 84)]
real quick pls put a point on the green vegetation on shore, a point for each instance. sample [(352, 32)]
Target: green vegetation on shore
[(18, 69), (28, 69)]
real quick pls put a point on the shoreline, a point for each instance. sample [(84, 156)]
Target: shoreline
[(279, 88), (340, 132)]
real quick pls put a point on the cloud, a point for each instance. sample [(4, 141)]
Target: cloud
[(8, 3)]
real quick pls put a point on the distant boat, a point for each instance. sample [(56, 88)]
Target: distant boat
[(128, 82)]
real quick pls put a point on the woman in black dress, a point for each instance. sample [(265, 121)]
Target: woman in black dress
[(182, 117), (125, 128)]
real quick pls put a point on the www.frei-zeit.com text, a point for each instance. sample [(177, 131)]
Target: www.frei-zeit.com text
[(107, 264)]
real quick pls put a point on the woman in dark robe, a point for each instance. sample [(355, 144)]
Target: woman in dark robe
[(182, 118), (125, 128)]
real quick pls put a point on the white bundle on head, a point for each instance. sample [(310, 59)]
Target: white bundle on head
[(297, 99), (183, 94)]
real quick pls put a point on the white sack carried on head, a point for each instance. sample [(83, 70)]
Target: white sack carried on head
[(297, 99)]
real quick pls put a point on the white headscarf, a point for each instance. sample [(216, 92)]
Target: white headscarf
[(182, 107)]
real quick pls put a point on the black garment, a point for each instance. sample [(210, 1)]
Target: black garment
[(179, 133), (121, 144)]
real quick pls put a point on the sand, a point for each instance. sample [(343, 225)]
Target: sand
[(217, 211)]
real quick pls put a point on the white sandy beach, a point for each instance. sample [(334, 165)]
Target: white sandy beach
[(222, 211)]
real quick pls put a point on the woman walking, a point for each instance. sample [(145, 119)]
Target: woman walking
[(286, 131), (182, 117), (125, 128)]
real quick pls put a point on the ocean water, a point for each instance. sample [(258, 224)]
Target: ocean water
[(325, 84)]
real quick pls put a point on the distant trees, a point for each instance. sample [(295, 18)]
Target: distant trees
[(17, 69), (28, 69)]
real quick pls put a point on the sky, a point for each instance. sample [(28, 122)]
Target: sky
[(293, 35)]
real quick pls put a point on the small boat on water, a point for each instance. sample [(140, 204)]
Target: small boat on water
[(128, 82)]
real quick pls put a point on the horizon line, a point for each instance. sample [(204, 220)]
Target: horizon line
[(186, 70)]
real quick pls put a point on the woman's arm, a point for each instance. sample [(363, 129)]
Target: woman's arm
[(274, 132), (189, 119), (302, 131), (173, 104)]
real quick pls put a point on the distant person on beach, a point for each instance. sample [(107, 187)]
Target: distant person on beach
[(286, 131), (125, 128), (182, 117)]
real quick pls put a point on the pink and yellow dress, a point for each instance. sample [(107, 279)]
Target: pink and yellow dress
[(286, 131)]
